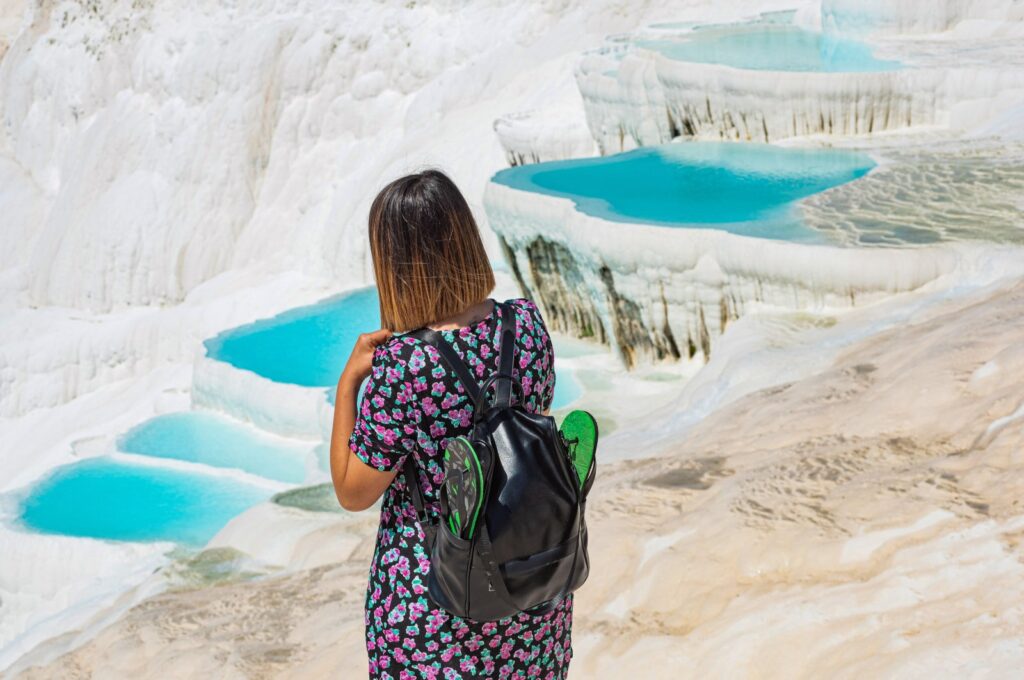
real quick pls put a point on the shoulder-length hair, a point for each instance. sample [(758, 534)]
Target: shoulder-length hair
[(428, 258)]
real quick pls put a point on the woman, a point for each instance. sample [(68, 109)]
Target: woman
[(431, 270)]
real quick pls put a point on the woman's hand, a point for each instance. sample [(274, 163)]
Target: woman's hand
[(361, 359)]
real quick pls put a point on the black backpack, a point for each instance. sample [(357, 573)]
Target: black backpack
[(529, 549)]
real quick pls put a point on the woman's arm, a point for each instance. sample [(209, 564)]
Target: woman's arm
[(356, 484)]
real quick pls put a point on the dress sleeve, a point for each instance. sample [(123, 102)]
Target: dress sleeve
[(540, 362), (386, 428)]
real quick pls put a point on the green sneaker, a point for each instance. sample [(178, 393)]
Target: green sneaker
[(463, 485), (579, 431)]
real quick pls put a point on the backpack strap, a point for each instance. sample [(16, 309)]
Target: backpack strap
[(416, 493), (465, 376), (507, 349), (486, 553), (452, 358)]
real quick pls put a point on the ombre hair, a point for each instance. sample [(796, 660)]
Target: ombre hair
[(428, 258)]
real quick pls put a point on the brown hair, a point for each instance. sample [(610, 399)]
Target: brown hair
[(428, 258)]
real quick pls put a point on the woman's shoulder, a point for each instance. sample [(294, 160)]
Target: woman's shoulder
[(531, 321), (405, 352), (524, 305)]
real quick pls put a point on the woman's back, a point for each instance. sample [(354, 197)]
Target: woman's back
[(413, 404)]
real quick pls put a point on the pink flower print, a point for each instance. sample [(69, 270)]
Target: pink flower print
[(378, 401), (437, 429), (466, 664), (488, 666), (428, 406), (437, 388), (395, 616), (485, 351), (391, 635), (438, 372), (388, 436), (406, 675), (449, 401), (419, 384), (416, 360), (506, 650), (393, 375), (527, 385), (448, 653)]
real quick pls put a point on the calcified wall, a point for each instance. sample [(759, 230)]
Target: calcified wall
[(624, 101), (535, 137), (659, 293), (644, 98), (651, 99), (914, 16), (710, 100)]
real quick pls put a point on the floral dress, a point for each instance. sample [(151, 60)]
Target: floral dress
[(412, 405)]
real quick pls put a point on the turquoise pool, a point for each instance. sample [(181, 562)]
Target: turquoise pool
[(748, 189), (767, 47), (211, 439), (304, 346), (567, 389), (111, 499)]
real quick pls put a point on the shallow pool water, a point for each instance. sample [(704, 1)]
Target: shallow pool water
[(112, 499), (748, 189), (765, 47), (211, 439), (303, 346), (567, 388)]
